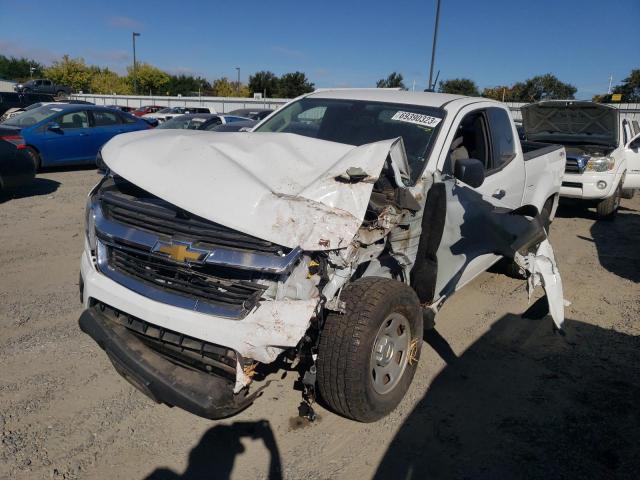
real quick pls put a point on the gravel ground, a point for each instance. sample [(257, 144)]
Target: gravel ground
[(495, 395)]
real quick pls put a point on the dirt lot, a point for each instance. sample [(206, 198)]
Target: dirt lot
[(495, 396)]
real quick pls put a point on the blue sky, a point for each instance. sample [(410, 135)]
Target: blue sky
[(339, 43)]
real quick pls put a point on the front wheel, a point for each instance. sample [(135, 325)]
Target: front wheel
[(607, 209), (368, 356), (628, 193)]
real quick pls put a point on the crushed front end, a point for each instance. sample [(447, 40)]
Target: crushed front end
[(185, 307)]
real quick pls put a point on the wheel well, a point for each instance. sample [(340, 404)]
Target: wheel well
[(526, 210), (39, 165)]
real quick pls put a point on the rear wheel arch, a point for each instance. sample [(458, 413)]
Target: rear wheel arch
[(35, 155)]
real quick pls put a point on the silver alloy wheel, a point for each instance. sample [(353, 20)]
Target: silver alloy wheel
[(390, 353)]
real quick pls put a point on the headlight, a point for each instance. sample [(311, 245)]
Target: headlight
[(90, 223), (600, 164)]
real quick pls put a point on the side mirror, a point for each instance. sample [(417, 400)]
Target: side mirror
[(635, 145), (54, 127), (469, 171)]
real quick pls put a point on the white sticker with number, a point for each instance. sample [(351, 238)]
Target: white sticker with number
[(417, 118)]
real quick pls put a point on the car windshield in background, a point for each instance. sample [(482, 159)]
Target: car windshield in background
[(357, 122), (31, 117), (184, 122)]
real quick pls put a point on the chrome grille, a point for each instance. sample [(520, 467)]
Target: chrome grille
[(154, 215), (237, 291)]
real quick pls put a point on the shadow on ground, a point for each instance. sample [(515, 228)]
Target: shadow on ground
[(39, 186), (618, 245), (525, 402), (214, 456)]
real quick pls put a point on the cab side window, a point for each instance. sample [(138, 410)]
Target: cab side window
[(471, 140), (502, 140)]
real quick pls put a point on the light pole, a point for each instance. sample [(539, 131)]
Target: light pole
[(135, 79), (238, 84), (433, 49)]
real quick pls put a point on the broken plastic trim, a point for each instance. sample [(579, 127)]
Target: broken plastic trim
[(163, 381)]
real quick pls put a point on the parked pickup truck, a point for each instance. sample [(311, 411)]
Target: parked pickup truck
[(603, 150), (326, 240), (43, 85)]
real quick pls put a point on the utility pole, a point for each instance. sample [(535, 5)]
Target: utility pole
[(238, 84), (135, 77), (431, 86), (610, 80)]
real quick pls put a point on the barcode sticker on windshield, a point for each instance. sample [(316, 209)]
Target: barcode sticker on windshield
[(417, 118)]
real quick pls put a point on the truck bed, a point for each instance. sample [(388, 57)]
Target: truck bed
[(533, 150), (544, 165)]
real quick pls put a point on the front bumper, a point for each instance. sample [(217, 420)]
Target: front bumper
[(161, 380), (584, 186), (261, 335)]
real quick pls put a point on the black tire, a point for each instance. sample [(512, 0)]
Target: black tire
[(345, 373), (61, 94), (33, 155), (607, 209), (628, 193)]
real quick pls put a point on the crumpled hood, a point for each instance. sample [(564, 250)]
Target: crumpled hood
[(276, 186)]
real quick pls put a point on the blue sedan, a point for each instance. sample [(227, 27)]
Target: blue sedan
[(67, 134)]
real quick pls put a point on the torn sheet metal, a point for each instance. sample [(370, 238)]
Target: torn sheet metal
[(543, 271), (279, 187), (460, 226)]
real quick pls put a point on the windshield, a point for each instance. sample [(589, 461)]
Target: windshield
[(182, 122), (31, 117), (357, 122)]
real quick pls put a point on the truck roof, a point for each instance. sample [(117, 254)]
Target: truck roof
[(426, 99)]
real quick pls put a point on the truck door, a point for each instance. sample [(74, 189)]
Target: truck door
[(486, 134), (47, 86), (504, 174), (632, 156)]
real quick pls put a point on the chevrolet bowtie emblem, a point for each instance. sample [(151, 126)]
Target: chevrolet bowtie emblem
[(180, 252)]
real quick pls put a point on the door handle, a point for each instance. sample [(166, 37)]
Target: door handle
[(499, 194)]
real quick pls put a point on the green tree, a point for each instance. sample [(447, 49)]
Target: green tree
[(294, 84), (542, 87), (222, 87), (73, 72), (106, 81), (18, 69), (630, 87), (501, 92), (264, 82), (148, 79), (459, 86), (187, 85), (394, 80)]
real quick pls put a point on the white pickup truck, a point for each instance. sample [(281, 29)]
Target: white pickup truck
[(327, 239), (603, 150)]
